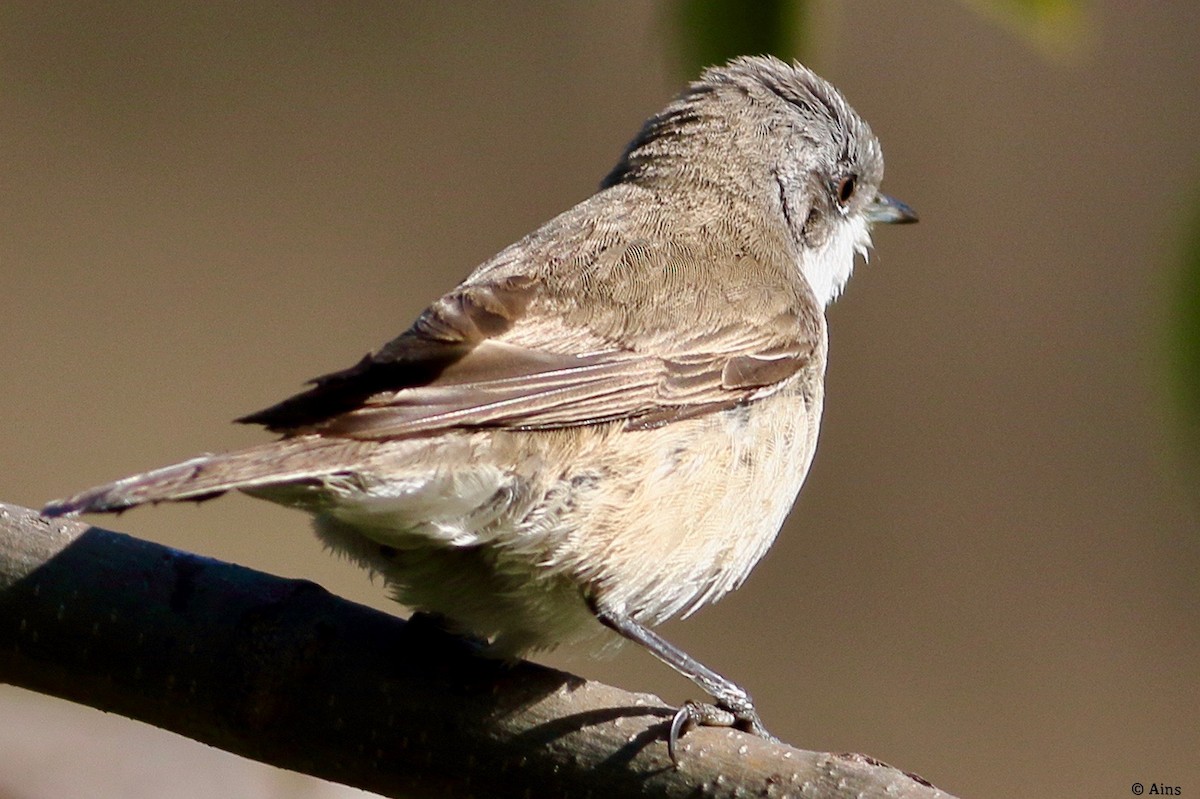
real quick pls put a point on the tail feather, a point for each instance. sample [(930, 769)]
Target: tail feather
[(285, 461)]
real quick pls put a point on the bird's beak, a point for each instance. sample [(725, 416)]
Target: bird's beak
[(890, 211)]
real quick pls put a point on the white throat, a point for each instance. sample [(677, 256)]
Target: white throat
[(828, 268)]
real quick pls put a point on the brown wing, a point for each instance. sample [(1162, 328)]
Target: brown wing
[(542, 393), (446, 373), (514, 351), (444, 335)]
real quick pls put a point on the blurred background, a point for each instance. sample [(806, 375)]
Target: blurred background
[(991, 577)]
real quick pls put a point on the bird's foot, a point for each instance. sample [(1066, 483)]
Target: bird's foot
[(701, 714)]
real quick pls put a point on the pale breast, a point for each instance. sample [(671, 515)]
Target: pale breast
[(511, 533), (691, 508)]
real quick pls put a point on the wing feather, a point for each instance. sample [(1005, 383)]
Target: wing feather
[(538, 390), (509, 351)]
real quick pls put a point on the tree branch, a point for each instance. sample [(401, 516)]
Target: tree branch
[(283, 672)]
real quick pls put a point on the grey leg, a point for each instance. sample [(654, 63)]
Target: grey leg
[(733, 708)]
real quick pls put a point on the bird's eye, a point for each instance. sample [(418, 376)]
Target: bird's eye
[(845, 190)]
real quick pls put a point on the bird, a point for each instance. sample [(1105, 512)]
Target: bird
[(604, 425)]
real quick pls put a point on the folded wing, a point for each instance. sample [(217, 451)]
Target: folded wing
[(462, 366)]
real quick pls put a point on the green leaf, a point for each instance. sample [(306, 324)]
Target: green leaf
[(1184, 336), (1060, 28), (713, 31)]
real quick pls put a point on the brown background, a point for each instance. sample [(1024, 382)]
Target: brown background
[(991, 576)]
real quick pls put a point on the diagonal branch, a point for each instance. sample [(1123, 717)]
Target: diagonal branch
[(283, 672)]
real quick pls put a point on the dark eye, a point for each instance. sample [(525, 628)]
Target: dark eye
[(845, 189)]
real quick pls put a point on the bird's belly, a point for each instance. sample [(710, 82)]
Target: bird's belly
[(512, 533), (689, 528)]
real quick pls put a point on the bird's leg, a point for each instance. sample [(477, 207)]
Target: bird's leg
[(733, 707)]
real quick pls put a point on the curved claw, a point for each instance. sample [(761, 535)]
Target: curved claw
[(679, 725), (693, 714)]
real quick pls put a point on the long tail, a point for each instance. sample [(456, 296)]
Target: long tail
[(286, 461)]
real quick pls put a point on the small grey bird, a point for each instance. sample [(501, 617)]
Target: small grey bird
[(605, 424)]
